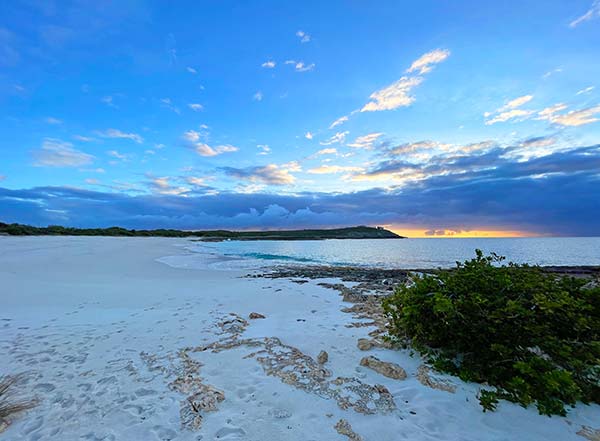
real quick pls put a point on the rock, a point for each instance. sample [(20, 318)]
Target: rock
[(364, 344), (385, 368), (343, 427), (322, 357), (426, 378), (586, 432), (256, 315)]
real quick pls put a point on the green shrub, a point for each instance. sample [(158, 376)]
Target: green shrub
[(532, 336)]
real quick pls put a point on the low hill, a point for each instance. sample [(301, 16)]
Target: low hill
[(361, 232)]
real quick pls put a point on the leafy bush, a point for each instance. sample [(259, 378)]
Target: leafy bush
[(533, 336)]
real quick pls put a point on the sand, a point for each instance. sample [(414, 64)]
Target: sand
[(113, 334)]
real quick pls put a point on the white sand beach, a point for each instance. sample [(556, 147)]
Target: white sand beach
[(112, 340)]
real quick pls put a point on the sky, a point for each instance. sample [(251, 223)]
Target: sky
[(431, 118)]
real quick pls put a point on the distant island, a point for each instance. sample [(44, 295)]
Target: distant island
[(360, 232)]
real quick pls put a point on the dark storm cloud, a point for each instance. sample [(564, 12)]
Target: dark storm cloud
[(554, 194)]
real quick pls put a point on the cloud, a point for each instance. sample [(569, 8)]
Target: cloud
[(539, 141), (83, 138), (398, 94), (510, 111), (168, 104), (552, 72), (163, 186), (300, 66), (366, 141), (576, 118), (339, 137), (114, 133), (109, 101), (271, 174), (341, 120), (2, 177), (514, 114), (557, 196), (425, 63), (328, 151), (393, 96), (196, 181), (115, 154), (303, 36), (57, 153), (206, 150), (196, 107), (54, 121), (586, 90), (573, 118), (308, 135), (269, 64), (264, 149), (258, 96), (333, 169), (593, 12), (194, 139), (191, 70)]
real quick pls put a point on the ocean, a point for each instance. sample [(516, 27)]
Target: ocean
[(399, 253)]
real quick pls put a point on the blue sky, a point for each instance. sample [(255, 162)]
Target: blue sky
[(430, 117)]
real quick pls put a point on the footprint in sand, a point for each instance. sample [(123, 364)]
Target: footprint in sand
[(230, 433), (164, 433), (44, 387)]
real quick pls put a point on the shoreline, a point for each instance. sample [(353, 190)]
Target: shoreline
[(119, 345)]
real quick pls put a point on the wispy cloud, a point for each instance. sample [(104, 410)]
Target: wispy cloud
[(191, 70), (264, 149), (303, 36), (339, 137), (586, 90), (168, 104), (510, 111), (162, 185), (53, 121), (341, 120), (109, 101), (398, 94), (83, 138), (196, 107), (576, 118), (57, 153), (258, 96), (328, 151), (301, 66), (552, 72), (425, 63), (115, 133), (194, 138), (366, 141), (593, 12), (271, 174), (333, 169), (308, 135), (269, 64), (117, 155)]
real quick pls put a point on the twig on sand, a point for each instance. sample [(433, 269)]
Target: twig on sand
[(11, 402)]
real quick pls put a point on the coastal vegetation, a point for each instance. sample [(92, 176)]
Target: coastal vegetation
[(360, 232), (530, 336)]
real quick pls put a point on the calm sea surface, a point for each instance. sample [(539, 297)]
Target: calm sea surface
[(405, 253)]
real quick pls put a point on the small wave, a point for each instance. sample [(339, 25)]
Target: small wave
[(267, 256)]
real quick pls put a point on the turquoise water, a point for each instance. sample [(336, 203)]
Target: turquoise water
[(410, 253)]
